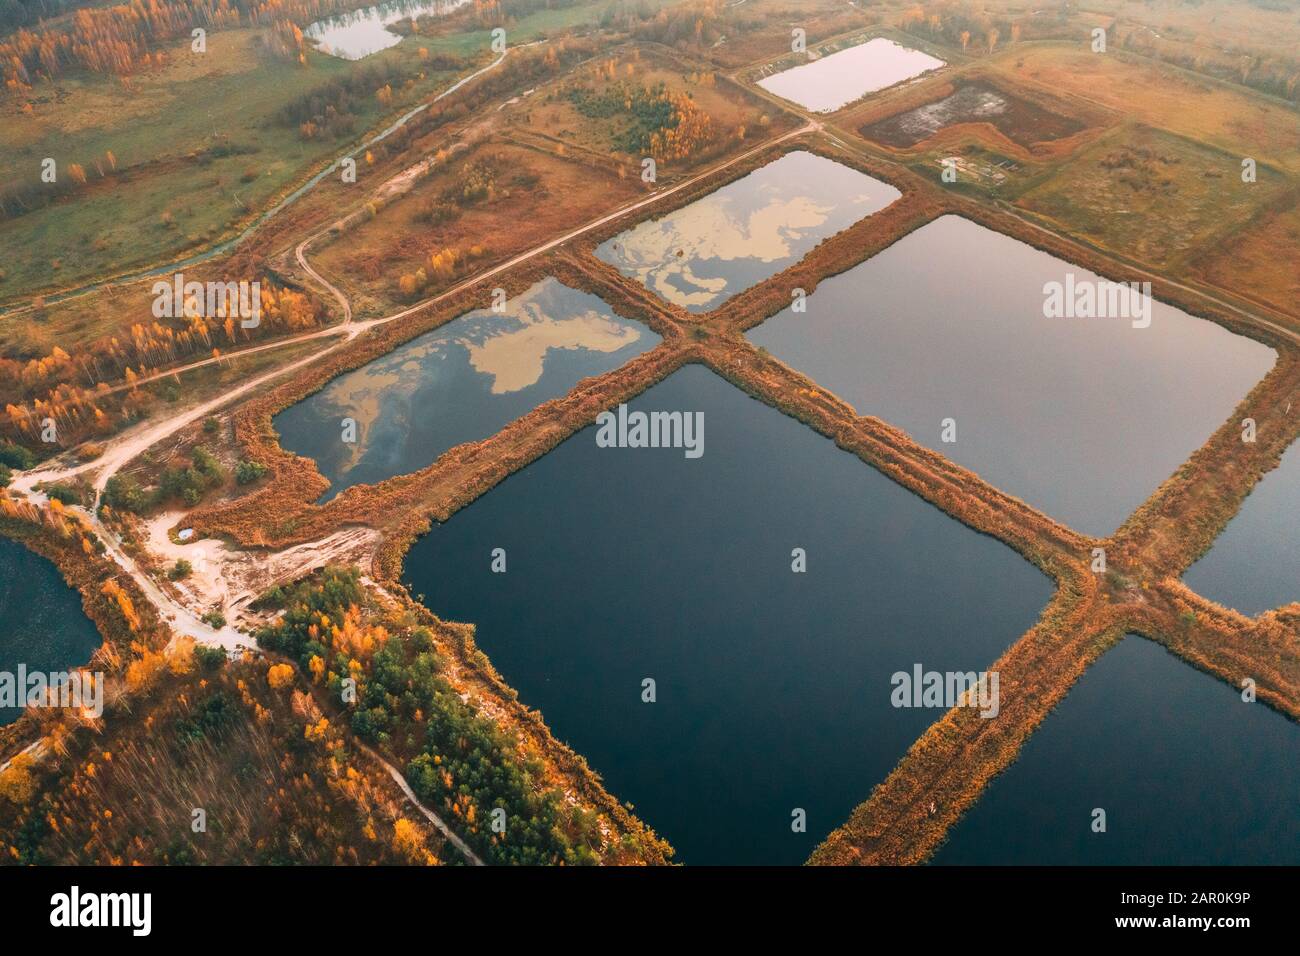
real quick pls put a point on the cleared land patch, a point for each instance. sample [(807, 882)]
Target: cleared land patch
[(1147, 195), (1166, 97), (640, 102), (479, 207), (1261, 260), (1018, 119)]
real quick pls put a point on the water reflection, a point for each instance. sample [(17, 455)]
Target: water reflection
[(834, 81), (1081, 417), (360, 33), (461, 382), (747, 231)]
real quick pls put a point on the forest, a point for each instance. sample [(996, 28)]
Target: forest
[(456, 759)]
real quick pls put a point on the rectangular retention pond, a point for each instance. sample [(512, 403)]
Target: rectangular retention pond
[(461, 382), (771, 688), (747, 231), (1081, 417), (832, 82), (1185, 770), (1254, 566)]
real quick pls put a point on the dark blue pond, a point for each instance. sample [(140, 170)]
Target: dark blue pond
[(773, 687), (42, 624), (1186, 771), (1254, 565)]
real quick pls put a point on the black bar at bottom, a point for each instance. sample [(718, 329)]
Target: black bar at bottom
[(943, 905)]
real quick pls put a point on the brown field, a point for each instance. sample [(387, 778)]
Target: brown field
[(1147, 195), (548, 114), (965, 103), (1261, 261), (1165, 97), (537, 195), (759, 30)]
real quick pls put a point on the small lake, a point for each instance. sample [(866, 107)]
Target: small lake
[(461, 382), (1254, 566), (749, 230), (355, 35), (1081, 417), (772, 687), (1187, 773), (831, 82), (42, 624)]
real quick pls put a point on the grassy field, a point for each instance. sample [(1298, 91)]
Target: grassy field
[(1147, 195), (1261, 261), (1163, 96), (173, 193), (440, 36)]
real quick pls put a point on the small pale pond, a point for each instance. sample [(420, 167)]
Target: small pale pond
[(355, 35), (831, 82)]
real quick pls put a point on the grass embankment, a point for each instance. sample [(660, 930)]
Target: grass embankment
[(478, 208), (1161, 96), (908, 815)]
